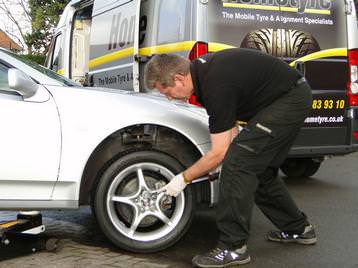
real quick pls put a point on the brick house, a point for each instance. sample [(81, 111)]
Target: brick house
[(8, 43)]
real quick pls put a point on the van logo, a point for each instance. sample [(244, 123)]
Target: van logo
[(322, 7), (122, 31)]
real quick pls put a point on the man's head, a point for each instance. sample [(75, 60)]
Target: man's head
[(170, 74)]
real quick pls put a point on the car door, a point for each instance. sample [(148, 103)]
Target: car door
[(30, 144)]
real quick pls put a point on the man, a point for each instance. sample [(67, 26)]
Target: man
[(274, 100)]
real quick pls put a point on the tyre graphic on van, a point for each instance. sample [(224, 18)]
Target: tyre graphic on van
[(281, 42)]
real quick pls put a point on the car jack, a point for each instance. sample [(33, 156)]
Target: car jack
[(27, 223)]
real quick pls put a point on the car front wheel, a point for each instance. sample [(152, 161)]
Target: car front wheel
[(129, 210)]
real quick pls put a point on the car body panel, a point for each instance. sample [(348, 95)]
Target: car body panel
[(29, 127), (85, 126), (46, 145)]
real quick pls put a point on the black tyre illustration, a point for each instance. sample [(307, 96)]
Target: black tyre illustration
[(281, 42), (300, 167), (129, 211)]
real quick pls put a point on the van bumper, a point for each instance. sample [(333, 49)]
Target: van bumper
[(320, 151)]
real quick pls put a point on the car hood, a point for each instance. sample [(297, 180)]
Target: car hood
[(128, 107), (155, 96)]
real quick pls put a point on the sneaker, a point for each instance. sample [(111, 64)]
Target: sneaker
[(222, 258), (308, 237)]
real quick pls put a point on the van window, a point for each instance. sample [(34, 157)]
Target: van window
[(172, 18), (80, 44), (56, 63)]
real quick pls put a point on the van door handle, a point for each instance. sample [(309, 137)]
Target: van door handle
[(142, 59)]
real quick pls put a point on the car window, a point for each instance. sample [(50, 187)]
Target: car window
[(59, 78), (4, 83)]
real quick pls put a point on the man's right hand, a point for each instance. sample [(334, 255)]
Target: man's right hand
[(176, 185)]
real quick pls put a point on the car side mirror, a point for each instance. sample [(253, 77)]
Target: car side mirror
[(22, 83)]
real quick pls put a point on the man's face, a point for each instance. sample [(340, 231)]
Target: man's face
[(181, 90)]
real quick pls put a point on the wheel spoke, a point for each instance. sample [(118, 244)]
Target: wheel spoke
[(124, 199), (137, 218), (160, 215), (141, 181)]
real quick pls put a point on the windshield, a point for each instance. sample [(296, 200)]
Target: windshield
[(43, 70)]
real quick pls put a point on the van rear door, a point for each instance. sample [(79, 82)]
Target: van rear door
[(292, 30), (321, 30), (112, 44)]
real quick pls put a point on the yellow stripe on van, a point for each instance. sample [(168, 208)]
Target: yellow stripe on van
[(146, 51), (247, 6), (61, 71), (276, 8), (307, 10), (188, 45), (124, 53), (213, 47), (169, 48), (333, 52)]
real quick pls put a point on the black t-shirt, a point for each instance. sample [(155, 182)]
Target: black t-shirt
[(235, 84)]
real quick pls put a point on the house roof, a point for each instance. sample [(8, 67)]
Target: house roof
[(7, 42)]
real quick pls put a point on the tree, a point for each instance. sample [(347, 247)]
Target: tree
[(45, 15), (34, 22)]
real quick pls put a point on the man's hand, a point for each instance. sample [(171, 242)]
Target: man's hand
[(175, 186)]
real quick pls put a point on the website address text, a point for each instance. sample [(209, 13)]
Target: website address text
[(324, 119)]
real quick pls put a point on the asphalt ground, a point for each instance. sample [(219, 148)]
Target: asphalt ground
[(329, 199)]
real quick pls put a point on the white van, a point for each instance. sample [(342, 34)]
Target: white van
[(106, 43)]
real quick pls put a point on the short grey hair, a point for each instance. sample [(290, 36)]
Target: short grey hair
[(162, 68)]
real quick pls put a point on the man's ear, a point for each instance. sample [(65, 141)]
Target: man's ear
[(179, 77)]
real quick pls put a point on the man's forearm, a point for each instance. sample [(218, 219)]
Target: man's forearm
[(220, 143), (203, 166)]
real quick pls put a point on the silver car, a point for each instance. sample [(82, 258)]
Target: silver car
[(63, 146)]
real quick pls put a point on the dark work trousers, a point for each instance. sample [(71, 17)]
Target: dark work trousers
[(250, 167)]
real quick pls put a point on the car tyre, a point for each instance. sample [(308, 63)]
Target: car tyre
[(127, 211)]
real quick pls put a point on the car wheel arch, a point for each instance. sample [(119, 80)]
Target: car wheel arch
[(130, 139)]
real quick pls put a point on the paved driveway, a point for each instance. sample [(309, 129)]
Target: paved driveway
[(330, 199)]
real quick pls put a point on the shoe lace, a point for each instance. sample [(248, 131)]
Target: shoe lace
[(218, 253), (284, 235)]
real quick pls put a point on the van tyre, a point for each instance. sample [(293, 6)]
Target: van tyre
[(128, 211), (300, 167), (281, 42)]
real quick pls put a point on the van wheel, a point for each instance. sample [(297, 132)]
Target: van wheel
[(281, 42), (300, 167), (128, 210)]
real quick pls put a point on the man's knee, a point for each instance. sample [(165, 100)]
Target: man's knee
[(269, 174)]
